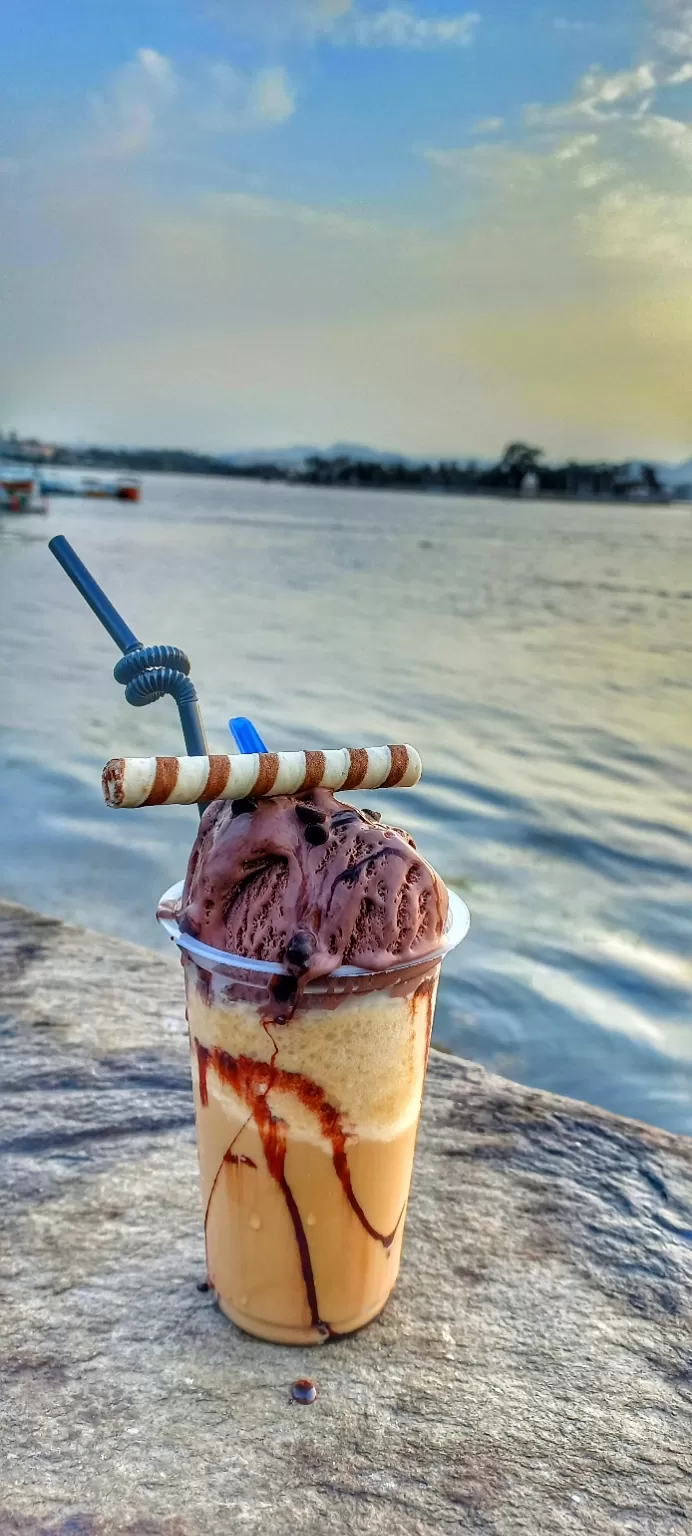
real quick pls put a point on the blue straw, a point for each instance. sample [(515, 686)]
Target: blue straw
[(147, 672), (91, 591), (247, 739)]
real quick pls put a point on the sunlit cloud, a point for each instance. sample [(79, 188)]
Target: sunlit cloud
[(590, 176), (668, 131), (576, 147), (646, 235), (599, 96)]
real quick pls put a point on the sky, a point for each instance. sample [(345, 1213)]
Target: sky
[(249, 223)]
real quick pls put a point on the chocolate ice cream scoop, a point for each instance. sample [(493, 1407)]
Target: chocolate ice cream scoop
[(312, 884)]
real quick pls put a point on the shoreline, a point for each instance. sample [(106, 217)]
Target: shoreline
[(397, 488)]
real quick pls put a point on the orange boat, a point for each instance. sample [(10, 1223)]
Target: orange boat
[(128, 490)]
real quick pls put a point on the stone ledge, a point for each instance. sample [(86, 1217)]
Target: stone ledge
[(532, 1373)]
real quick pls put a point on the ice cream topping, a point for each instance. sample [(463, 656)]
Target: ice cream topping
[(312, 884)]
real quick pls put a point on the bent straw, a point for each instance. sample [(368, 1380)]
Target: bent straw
[(147, 672)]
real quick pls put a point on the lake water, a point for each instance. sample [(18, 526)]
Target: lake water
[(540, 657)]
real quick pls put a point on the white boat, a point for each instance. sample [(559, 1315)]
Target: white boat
[(124, 488), (20, 490)]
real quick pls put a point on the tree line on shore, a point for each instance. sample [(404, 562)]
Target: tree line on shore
[(521, 470)]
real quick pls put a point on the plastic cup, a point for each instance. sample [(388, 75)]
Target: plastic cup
[(306, 1132)]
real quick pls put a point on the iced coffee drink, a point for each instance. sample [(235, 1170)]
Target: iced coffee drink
[(312, 936)]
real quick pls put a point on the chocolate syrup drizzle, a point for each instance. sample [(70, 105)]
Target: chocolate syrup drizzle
[(251, 1081)]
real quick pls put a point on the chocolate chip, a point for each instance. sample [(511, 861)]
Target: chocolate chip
[(284, 989), (374, 815), (300, 950), (309, 815), (244, 807), (304, 1391), (203, 1285), (316, 835)]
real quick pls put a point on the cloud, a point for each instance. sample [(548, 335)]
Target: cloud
[(395, 28), (568, 24), (127, 112), (499, 164), (552, 169), (673, 26), (589, 176), (643, 233), (607, 96), (600, 89), (157, 68), (325, 12), (668, 131), (271, 97), (599, 96), (315, 18), (148, 104), (574, 148), (326, 223), (343, 22), (489, 125), (275, 18), (230, 101)]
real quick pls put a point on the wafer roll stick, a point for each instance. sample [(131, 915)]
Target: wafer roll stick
[(133, 781)]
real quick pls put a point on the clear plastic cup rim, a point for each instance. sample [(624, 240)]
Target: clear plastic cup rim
[(456, 929)]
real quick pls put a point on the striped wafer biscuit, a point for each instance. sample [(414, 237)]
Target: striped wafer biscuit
[(133, 781)]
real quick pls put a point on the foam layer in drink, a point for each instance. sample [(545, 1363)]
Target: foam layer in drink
[(306, 1136)]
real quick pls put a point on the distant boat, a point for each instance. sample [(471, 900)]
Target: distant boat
[(128, 490), (114, 490), (20, 491), (125, 488)]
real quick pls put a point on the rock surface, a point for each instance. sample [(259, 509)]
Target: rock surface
[(532, 1373)]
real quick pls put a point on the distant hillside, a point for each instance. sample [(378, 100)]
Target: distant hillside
[(297, 455), (286, 457)]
